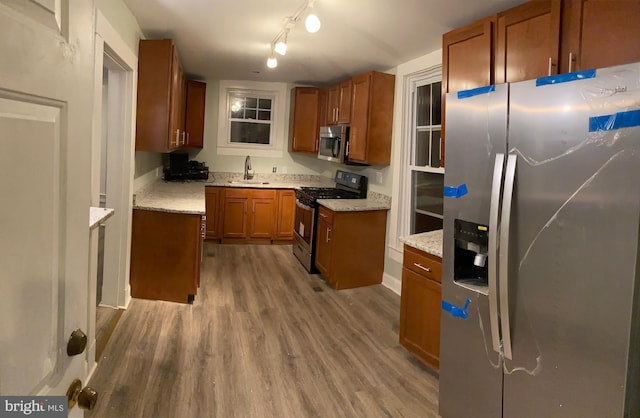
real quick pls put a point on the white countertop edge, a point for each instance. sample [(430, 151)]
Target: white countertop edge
[(99, 215), (353, 205)]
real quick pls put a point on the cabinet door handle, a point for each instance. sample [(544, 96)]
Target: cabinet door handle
[(550, 64), (328, 232), (187, 138), (177, 137), (184, 136), (420, 266), (323, 215), (570, 61)]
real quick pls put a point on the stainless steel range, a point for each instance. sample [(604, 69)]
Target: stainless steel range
[(348, 186)]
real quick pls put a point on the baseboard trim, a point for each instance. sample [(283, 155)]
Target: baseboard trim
[(392, 283)]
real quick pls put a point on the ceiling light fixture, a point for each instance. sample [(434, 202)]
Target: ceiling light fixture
[(272, 62), (312, 23), (279, 43)]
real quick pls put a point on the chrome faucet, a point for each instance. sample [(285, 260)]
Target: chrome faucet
[(248, 173)]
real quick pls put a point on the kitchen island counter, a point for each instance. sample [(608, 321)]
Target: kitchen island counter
[(430, 242)]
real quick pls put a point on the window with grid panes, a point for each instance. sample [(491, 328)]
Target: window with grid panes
[(427, 177), (250, 118)]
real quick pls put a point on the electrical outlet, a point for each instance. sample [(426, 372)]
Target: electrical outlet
[(157, 171), (274, 169), (379, 177)]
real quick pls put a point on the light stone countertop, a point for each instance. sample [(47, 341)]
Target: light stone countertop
[(430, 242), (178, 197), (99, 215), (374, 201), (269, 181)]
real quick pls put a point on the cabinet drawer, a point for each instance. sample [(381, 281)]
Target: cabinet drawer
[(326, 215), (263, 194), (422, 263), (237, 192)]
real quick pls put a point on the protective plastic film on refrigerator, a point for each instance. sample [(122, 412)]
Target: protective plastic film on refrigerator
[(540, 252)]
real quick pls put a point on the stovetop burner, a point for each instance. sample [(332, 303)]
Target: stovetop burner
[(329, 193)]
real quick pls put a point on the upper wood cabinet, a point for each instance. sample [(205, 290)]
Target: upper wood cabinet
[(466, 61), (528, 41), (164, 120), (339, 103), (599, 33), (196, 93), (303, 120), (371, 118), (160, 87)]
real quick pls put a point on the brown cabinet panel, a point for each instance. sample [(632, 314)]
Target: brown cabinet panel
[(599, 33), (420, 317), (333, 103), (371, 118), (323, 107), (423, 263), (286, 214), (234, 224), (165, 255), (467, 62), (350, 247), (156, 116), (213, 208), (528, 41), (344, 102), (304, 129), (263, 216), (194, 121)]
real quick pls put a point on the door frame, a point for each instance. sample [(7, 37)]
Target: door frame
[(108, 40)]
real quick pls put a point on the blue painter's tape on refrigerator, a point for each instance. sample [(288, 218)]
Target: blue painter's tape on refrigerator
[(455, 192), (464, 94), (456, 311), (616, 121), (565, 78)]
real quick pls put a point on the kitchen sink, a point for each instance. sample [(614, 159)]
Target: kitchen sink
[(248, 182)]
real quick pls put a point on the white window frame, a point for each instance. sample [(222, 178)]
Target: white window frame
[(277, 92), (405, 168)]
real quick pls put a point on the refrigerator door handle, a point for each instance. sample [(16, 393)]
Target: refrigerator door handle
[(494, 211), (505, 227)]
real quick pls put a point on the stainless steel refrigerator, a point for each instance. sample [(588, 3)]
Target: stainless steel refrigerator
[(541, 279)]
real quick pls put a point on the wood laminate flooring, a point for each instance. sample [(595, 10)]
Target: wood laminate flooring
[(263, 339)]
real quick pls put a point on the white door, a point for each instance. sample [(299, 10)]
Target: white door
[(46, 84)]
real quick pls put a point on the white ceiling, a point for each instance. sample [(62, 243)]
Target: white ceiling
[(230, 39)]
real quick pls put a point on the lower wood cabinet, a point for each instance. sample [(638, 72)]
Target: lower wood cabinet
[(166, 252), (286, 215), (350, 247), (213, 202), (420, 305), (236, 214)]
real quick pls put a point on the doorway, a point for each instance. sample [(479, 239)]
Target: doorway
[(112, 180)]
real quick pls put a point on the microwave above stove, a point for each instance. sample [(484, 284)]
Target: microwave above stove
[(333, 143)]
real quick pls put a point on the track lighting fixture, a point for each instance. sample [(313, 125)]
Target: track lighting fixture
[(272, 62), (279, 43)]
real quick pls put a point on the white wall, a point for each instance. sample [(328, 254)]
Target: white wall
[(393, 258), (123, 21)]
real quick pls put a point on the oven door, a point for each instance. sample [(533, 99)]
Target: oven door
[(304, 234)]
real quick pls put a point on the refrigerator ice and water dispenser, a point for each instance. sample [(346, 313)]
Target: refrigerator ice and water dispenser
[(470, 256)]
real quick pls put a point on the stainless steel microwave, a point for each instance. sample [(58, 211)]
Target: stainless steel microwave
[(333, 143)]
